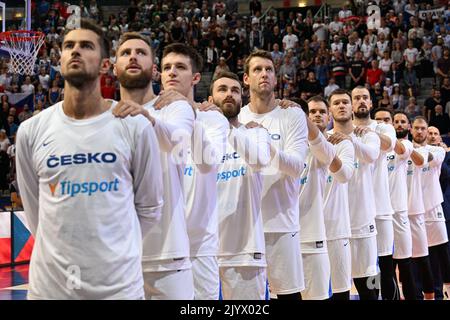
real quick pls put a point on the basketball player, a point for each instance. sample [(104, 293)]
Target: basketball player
[(434, 216), (361, 202), (316, 264), (91, 184), (280, 203), (397, 167), (206, 150), (321, 154), (336, 205), (166, 264), (416, 207), (362, 105), (241, 257)]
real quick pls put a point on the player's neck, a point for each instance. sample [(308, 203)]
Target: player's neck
[(141, 96), (361, 121), (343, 127), (262, 104), (83, 104)]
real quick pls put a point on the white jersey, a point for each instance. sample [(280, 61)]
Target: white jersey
[(288, 133), (360, 187), (86, 186), (336, 207), (414, 179), (206, 151), (380, 171), (312, 184), (169, 239), (432, 192), (397, 168), (240, 184)]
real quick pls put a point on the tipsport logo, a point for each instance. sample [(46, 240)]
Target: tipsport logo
[(73, 189)]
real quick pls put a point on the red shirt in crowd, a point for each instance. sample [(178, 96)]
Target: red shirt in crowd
[(374, 75)]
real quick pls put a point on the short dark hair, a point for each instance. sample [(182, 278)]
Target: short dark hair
[(302, 103), (401, 112), (257, 53), (385, 110), (89, 24), (339, 91), (223, 74), (135, 35), (185, 50), (319, 99)]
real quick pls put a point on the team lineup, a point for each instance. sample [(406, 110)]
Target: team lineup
[(159, 197)]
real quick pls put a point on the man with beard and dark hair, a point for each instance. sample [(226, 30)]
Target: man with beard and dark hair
[(91, 184), (166, 264), (362, 211), (362, 105), (397, 162), (239, 182)]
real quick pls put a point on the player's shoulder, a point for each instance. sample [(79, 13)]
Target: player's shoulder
[(212, 118)]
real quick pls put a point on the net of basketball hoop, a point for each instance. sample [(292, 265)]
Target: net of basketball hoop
[(23, 47)]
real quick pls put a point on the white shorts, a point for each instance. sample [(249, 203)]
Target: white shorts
[(419, 236), (284, 263), (385, 236), (205, 271), (317, 276), (402, 236), (243, 283), (339, 253), (364, 257), (436, 227), (169, 285)]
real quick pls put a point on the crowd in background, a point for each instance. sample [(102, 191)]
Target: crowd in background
[(312, 56)]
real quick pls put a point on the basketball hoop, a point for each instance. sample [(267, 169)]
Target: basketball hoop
[(23, 47)]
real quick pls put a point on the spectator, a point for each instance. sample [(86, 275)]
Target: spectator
[(54, 94), (410, 78), (445, 91), (321, 71), (330, 87), (108, 90), (311, 86), (255, 6), (385, 102), (11, 128), (412, 109), (290, 40), (40, 95), (386, 62), (212, 56), (44, 78), (25, 114), (357, 70), (394, 74), (440, 120), (339, 70), (443, 66), (221, 67), (374, 74), (431, 103), (4, 141), (397, 99), (27, 87)]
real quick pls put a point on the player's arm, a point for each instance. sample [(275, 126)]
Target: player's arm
[(290, 160), (177, 128), (320, 148), (437, 156), (212, 135), (419, 157), (342, 166), (147, 178), (387, 136), (27, 178), (367, 149), (253, 145)]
